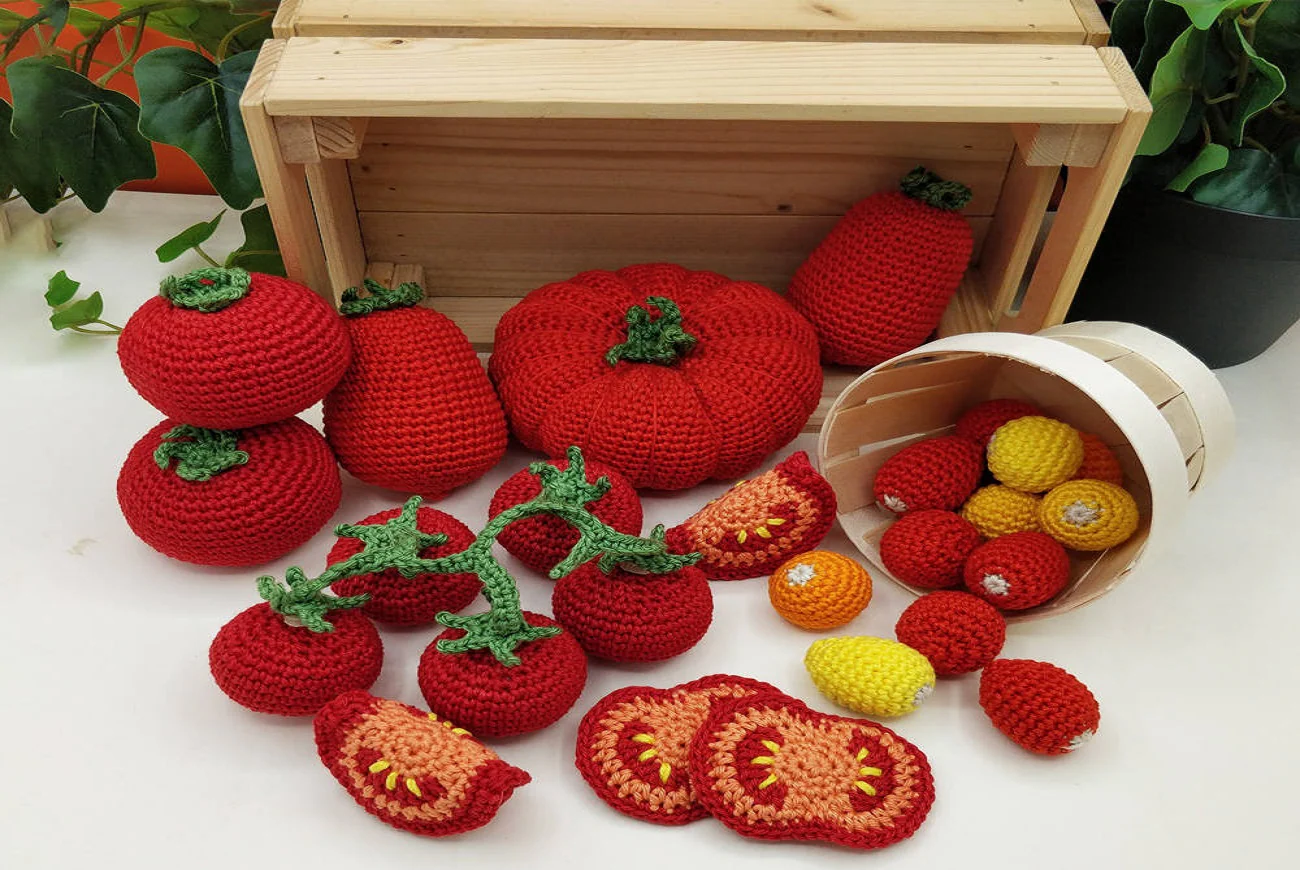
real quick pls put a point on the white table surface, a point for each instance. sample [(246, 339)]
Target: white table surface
[(119, 751)]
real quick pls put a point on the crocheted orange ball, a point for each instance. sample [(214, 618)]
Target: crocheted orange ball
[(957, 632), (1099, 461), (820, 590), (1089, 514), (980, 421), (1000, 510), (928, 548), (1034, 454), (1018, 571), (938, 473), (1041, 707)]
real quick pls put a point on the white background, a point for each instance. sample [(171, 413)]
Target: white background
[(117, 750)]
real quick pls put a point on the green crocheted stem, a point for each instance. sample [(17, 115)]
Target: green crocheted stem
[(394, 544), (923, 185), (379, 298), (661, 341), (303, 599), (200, 454), (207, 290)]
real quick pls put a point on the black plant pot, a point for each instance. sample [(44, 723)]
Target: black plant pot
[(1224, 284)]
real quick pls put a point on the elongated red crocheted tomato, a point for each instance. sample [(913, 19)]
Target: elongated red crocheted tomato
[(415, 411), (411, 769), (226, 349), (878, 284), (1042, 708), (671, 376), (214, 497)]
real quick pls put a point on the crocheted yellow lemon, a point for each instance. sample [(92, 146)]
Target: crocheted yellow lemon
[(1000, 510), (1034, 454), (870, 674), (820, 590), (1088, 514)]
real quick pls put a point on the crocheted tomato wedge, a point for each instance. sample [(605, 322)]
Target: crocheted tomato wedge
[(671, 376), (411, 769)]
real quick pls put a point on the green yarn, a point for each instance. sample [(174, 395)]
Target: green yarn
[(199, 453), (301, 599), (207, 290), (380, 298), (661, 341), (394, 544), (923, 185)]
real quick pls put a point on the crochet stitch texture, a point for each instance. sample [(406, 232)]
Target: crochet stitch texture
[(957, 632), (1041, 707)]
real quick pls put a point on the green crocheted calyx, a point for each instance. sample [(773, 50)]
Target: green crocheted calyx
[(379, 298), (923, 185), (304, 600), (207, 290), (199, 454), (660, 340)]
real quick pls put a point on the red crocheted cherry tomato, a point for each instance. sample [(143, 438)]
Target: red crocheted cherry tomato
[(928, 548), (626, 617), (1018, 571), (671, 376), (476, 691), (957, 632), (1041, 707), (226, 349), (934, 474), (979, 422)]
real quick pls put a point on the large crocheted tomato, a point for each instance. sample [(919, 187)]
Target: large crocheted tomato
[(671, 376)]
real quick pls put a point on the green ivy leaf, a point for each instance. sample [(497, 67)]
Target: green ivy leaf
[(1277, 37), (1163, 23), (58, 10), (9, 21), (254, 5), (60, 289), (26, 166), (90, 133), (188, 101), (84, 21), (1177, 76), (1252, 181), (1128, 28), (187, 239), (1212, 158), (79, 313), (1205, 12), (206, 26), (260, 251), (1260, 89)]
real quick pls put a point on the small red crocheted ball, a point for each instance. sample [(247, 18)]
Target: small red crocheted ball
[(957, 632), (541, 541), (258, 358), (1018, 571), (979, 422), (267, 665), (410, 601), (938, 473), (626, 617), (928, 548), (1039, 706), (477, 692), (1099, 461)]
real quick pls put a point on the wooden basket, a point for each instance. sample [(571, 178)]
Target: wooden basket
[(1158, 407)]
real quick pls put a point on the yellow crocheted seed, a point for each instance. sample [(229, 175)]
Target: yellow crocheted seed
[(1034, 454), (871, 675), (1000, 510), (1089, 514), (819, 590)]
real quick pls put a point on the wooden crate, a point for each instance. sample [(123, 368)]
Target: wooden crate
[(488, 167)]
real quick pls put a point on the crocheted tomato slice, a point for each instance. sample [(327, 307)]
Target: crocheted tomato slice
[(411, 769), (633, 745), (768, 767), (759, 523)]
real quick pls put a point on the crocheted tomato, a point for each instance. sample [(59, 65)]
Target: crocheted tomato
[(957, 632), (632, 617), (1041, 707), (928, 548), (415, 411), (226, 349), (934, 474), (541, 541), (979, 422), (671, 376), (1018, 571), (411, 769), (214, 497)]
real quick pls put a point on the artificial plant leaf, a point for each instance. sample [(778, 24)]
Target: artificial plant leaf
[(206, 26), (1173, 85), (1211, 158), (9, 21), (189, 238), (89, 133), (1252, 181), (26, 167), (1128, 28), (60, 289), (188, 101), (254, 5), (1259, 91), (1163, 23), (1277, 37), (84, 21), (58, 14), (79, 313), (1204, 13), (260, 251)]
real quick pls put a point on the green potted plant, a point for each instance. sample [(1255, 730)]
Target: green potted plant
[(1203, 244)]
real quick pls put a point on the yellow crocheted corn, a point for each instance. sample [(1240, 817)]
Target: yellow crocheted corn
[(1034, 454), (1001, 510), (1088, 514), (870, 674)]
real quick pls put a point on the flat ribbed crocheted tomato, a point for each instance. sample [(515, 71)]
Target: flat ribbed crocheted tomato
[(671, 376), (415, 411), (1041, 707), (213, 497), (226, 349)]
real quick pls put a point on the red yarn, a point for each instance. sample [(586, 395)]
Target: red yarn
[(957, 632), (410, 601), (1018, 571), (262, 358), (267, 665), (928, 548), (1041, 707), (979, 422), (477, 692), (1099, 462), (742, 390), (246, 515), (626, 617), (541, 541), (937, 473)]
